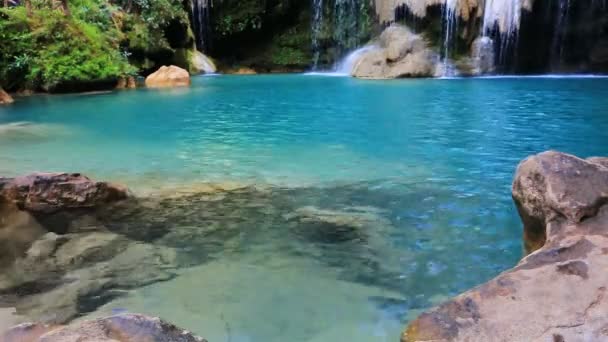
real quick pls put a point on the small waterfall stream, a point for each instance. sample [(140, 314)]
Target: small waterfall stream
[(347, 65), (201, 23), (450, 22), (338, 23), (317, 22), (561, 24)]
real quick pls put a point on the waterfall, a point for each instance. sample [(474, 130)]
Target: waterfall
[(200, 22), (337, 27), (346, 15), (347, 65), (561, 23), (502, 18), (450, 22), (317, 22)]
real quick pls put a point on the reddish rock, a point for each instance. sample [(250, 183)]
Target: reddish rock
[(51, 192), (127, 327), (559, 291), (126, 83), (5, 98), (131, 82), (243, 71)]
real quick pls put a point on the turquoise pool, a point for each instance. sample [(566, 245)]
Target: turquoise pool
[(425, 165)]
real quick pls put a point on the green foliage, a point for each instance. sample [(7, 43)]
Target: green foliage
[(292, 48), (94, 44), (238, 16), (49, 48)]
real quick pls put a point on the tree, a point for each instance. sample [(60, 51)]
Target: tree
[(66, 8), (28, 7)]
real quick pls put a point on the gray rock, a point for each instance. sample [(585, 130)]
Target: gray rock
[(482, 56), (126, 327)]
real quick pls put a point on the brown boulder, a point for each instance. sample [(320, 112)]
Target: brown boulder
[(552, 188), (126, 327), (51, 192), (126, 83), (557, 293), (5, 98), (168, 76)]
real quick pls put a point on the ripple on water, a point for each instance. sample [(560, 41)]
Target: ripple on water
[(409, 178)]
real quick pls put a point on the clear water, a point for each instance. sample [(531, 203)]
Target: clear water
[(426, 165)]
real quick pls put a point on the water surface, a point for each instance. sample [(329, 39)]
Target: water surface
[(423, 168)]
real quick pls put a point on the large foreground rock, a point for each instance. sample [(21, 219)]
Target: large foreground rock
[(560, 291), (400, 53), (51, 192), (5, 98), (120, 328), (168, 76)]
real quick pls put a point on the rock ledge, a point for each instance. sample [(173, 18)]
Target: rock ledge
[(120, 328), (559, 291)]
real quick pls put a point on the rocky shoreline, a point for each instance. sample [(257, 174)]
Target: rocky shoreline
[(558, 291), (71, 244), (126, 327)]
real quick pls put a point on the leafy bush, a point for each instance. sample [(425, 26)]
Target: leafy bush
[(48, 49)]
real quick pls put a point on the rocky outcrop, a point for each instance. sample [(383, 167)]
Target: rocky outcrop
[(168, 76), (51, 192), (56, 252), (401, 53), (465, 8), (243, 71), (125, 327), (559, 291), (5, 98), (201, 64), (126, 83), (482, 56)]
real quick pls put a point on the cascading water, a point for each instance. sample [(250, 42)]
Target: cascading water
[(317, 22), (346, 14), (347, 65), (201, 23), (339, 24), (501, 19), (561, 24), (450, 21)]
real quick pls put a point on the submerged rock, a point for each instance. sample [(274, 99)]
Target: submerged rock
[(168, 76), (52, 192), (401, 53), (125, 327), (336, 226), (557, 293), (5, 98), (63, 275), (25, 132)]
